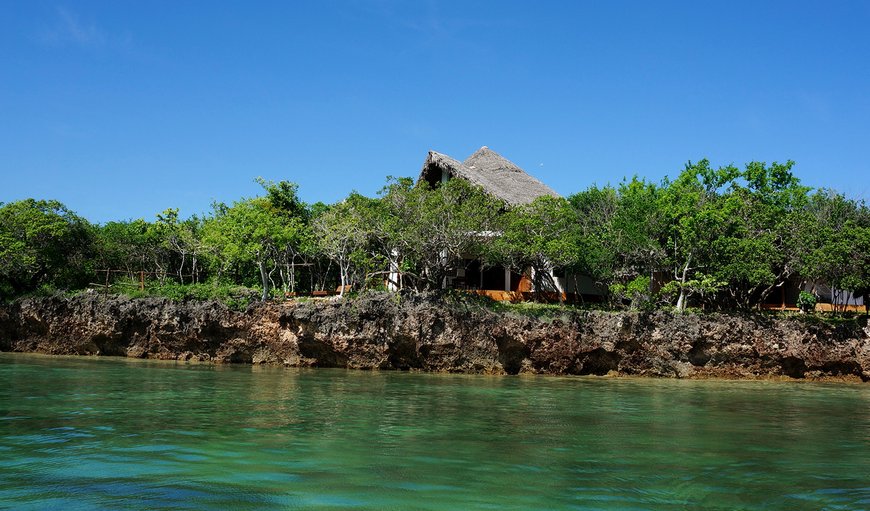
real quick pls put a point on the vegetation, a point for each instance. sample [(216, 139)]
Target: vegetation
[(717, 238)]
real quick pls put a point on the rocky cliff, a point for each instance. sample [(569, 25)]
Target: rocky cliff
[(431, 334)]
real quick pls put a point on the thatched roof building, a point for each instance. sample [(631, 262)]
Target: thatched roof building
[(497, 175)]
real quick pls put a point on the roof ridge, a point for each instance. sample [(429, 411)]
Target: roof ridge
[(499, 176)]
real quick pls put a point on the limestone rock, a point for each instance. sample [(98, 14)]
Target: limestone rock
[(425, 332)]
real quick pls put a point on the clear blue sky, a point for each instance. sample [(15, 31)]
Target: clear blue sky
[(121, 109)]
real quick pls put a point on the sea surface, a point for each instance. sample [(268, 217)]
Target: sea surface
[(115, 434)]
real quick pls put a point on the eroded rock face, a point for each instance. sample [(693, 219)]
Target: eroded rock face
[(423, 332)]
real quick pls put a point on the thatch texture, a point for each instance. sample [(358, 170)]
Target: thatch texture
[(495, 174)]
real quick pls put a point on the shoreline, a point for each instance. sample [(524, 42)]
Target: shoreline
[(781, 379), (430, 334)]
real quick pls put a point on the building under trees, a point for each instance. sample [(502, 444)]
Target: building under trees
[(717, 238)]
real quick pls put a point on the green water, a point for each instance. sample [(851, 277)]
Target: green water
[(81, 434)]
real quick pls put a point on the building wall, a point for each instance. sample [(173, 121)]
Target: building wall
[(580, 284)]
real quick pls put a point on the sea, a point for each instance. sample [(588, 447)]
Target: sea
[(116, 434)]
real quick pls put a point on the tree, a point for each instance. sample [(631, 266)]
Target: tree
[(758, 248), (456, 220), (396, 229), (124, 245), (595, 210), (696, 218), (542, 236), (43, 242), (639, 230), (177, 241), (249, 232), (623, 233), (342, 234), (297, 237), (412, 233), (267, 234), (836, 242)]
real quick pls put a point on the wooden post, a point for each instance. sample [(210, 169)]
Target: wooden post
[(142, 281), (107, 282)]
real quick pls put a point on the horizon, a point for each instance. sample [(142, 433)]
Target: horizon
[(121, 111)]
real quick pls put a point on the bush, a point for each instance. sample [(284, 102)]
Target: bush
[(806, 301), (234, 297), (637, 292)]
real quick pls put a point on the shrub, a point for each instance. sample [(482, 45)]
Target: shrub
[(233, 296), (637, 292), (806, 301)]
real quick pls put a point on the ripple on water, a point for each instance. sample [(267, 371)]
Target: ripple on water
[(246, 438)]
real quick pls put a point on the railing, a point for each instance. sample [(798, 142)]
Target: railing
[(820, 307), (133, 274)]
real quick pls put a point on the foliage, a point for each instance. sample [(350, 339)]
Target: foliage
[(759, 248), (454, 222), (342, 234), (737, 230), (836, 237), (542, 236), (700, 284), (266, 233), (697, 217), (638, 292), (713, 237), (233, 296), (43, 243), (806, 301), (623, 233)]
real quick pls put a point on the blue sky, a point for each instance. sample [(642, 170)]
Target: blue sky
[(121, 109)]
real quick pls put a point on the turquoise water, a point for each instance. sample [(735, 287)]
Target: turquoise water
[(83, 434)]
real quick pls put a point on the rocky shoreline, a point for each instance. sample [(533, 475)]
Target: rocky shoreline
[(428, 333)]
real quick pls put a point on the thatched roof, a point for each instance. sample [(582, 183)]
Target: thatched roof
[(497, 175)]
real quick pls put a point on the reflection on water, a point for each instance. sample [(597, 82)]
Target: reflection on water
[(117, 434)]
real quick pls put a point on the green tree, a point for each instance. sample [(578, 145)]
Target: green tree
[(248, 233), (342, 233), (124, 246), (296, 241), (455, 221), (622, 235), (595, 210), (639, 230), (696, 219), (836, 242), (43, 243), (757, 250), (178, 243), (396, 229), (541, 236)]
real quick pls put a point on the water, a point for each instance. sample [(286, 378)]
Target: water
[(85, 434)]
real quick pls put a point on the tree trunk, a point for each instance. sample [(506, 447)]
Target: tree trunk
[(681, 301), (343, 271), (181, 269), (271, 280), (264, 278)]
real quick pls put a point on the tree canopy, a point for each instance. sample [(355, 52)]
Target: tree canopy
[(720, 237)]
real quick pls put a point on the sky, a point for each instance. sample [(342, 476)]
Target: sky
[(121, 109)]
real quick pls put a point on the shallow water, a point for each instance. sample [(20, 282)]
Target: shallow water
[(82, 434)]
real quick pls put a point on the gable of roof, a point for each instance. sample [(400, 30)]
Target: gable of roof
[(497, 175)]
